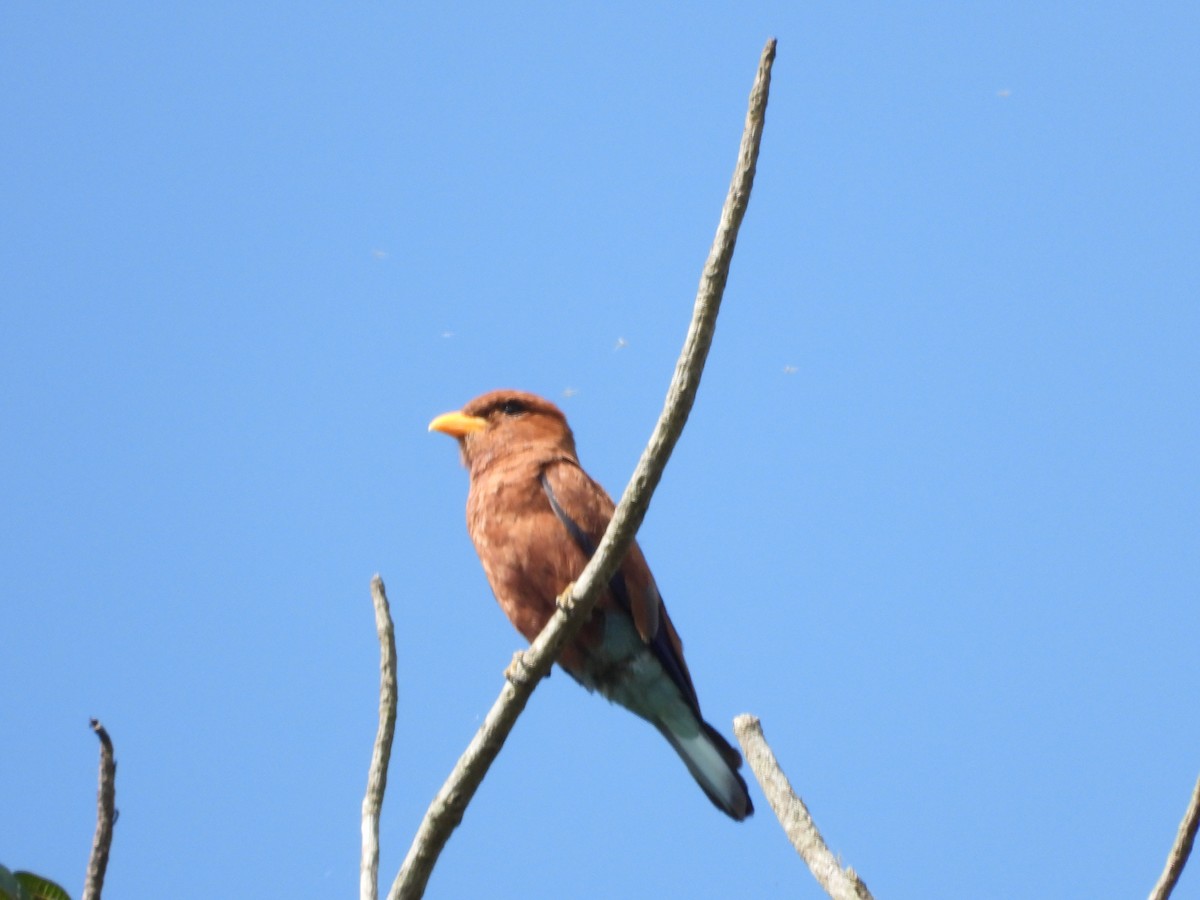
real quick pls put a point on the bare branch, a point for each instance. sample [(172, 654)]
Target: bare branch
[(801, 830), (106, 816), (575, 603), (1178, 856), (368, 877)]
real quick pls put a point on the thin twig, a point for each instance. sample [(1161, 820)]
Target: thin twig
[(106, 816), (368, 876), (574, 605), (801, 830), (1178, 856)]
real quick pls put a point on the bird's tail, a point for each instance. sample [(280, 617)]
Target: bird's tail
[(713, 762)]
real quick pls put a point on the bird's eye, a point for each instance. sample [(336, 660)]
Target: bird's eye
[(512, 407)]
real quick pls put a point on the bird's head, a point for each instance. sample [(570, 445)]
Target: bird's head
[(505, 422)]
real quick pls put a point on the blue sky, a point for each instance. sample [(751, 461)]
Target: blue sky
[(935, 518)]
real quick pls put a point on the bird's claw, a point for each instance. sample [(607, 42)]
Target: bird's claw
[(566, 600)]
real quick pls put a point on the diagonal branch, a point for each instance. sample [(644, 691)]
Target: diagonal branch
[(1182, 848), (801, 830), (368, 877), (574, 605), (106, 816)]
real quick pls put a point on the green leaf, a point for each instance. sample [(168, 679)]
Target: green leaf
[(36, 887), (10, 888)]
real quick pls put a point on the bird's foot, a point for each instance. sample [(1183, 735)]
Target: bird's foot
[(566, 600), (517, 671)]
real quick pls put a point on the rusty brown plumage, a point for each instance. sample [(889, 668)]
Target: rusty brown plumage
[(535, 518)]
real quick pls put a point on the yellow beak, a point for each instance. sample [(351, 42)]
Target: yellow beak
[(457, 425)]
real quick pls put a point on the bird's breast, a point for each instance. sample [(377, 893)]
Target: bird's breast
[(527, 554)]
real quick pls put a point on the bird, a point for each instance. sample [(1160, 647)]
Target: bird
[(535, 518)]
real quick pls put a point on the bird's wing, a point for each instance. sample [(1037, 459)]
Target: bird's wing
[(585, 510)]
